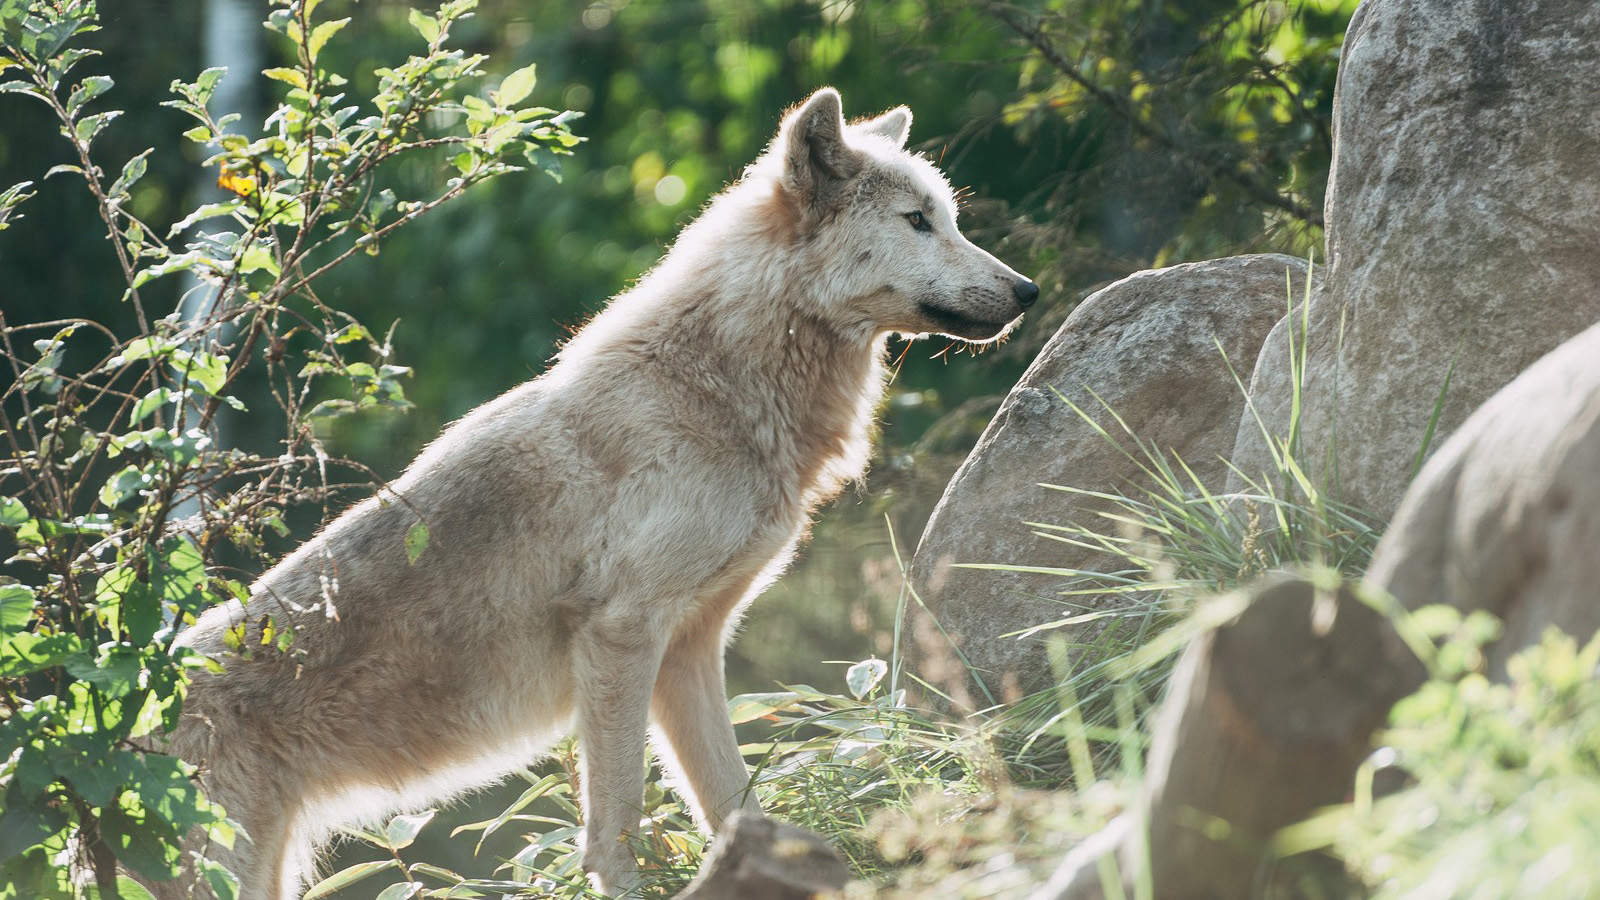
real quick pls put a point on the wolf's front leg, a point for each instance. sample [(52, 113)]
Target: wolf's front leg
[(615, 667), (691, 708)]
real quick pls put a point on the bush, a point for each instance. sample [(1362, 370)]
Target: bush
[(127, 513), (1492, 789)]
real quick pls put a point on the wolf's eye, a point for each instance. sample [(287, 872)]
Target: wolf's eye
[(919, 221)]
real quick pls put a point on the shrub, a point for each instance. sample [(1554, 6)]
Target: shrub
[(1492, 789), (127, 513)]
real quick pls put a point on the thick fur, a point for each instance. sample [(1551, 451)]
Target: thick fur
[(596, 532)]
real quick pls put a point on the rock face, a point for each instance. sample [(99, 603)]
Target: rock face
[(1265, 721), (1268, 716), (1148, 347), (1506, 518), (1463, 220)]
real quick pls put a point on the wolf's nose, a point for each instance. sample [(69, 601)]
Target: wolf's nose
[(1027, 292)]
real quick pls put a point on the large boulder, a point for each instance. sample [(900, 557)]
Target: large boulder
[(1148, 347), (1463, 220), (1268, 716), (1506, 517)]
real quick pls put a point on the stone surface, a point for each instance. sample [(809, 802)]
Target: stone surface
[(1148, 347), (756, 858), (1506, 517), (1463, 225), (1265, 721)]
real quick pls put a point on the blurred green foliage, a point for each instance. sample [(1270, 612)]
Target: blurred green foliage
[(1145, 149)]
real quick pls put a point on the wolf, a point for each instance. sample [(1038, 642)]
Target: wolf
[(596, 533)]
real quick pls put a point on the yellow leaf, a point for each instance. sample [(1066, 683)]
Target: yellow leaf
[(243, 185), (291, 77)]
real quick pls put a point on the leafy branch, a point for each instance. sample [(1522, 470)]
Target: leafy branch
[(121, 503), (1204, 162)]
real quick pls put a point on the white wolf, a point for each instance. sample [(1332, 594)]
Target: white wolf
[(597, 532)]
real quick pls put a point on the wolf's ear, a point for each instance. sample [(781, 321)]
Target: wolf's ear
[(894, 125), (816, 157)]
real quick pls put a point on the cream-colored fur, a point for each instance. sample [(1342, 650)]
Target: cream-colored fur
[(596, 532)]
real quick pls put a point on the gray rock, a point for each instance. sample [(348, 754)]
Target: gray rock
[(1506, 518), (1148, 347), (757, 858), (1463, 225), (1266, 720)]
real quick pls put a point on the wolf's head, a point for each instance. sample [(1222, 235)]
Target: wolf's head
[(875, 226)]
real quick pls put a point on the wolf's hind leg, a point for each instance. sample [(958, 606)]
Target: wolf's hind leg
[(691, 707)]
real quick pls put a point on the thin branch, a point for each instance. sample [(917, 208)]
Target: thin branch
[(1208, 166)]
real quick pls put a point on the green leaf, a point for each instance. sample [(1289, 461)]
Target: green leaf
[(205, 370), (96, 777), (87, 90), (27, 652), (416, 541), (11, 198), (224, 884), (180, 574), (13, 513), (26, 822), (329, 409), (165, 785), (141, 840), (206, 82), (149, 404), (124, 484), (142, 348), (16, 607), (349, 334), (127, 889), (321, 33), (426, 25), (439, 872), (258, 257), (21, 87), (402, 830), (89, 126), (291, 77), (749, 707), (207, 211), (529, 856), (551, 784), (132, 171), (347, 877), (405, 890), (176, 578), (864, 676), (115, 674), (283, 209), (516, 86)]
